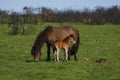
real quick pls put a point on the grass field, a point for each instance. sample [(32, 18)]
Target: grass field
[(97, 41)]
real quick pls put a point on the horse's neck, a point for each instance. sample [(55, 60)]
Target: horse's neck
[(39, 44), (67, 41)]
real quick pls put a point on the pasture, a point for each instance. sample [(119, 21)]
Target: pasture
[(97, 41)]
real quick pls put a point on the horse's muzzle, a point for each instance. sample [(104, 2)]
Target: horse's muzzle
[(36, 60)]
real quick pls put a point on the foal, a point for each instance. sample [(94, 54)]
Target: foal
[(64, 44)]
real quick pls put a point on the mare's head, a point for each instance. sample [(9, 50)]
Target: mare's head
[(36, 49), (35, 53)]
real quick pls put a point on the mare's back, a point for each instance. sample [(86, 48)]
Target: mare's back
[(60, 33)]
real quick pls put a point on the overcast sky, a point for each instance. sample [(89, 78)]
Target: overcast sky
[(17, 5)]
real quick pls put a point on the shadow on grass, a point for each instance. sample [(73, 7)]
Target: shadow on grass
[(44, 60), (29, 61)]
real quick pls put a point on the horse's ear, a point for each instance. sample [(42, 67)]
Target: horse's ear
[(71, 35)]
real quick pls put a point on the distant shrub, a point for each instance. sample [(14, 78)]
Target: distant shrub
[(23, 29)]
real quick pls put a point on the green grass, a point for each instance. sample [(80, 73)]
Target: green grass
[(97, 41)]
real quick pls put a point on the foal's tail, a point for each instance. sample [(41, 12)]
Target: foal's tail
[(75, 47)]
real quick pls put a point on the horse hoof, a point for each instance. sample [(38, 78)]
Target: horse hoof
[(48, 59), (76, 59), (68, 59)]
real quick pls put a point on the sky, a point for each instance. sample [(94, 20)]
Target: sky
[(17, 5)]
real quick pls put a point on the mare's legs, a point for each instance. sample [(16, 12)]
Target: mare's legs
[(68, 54), (75, 57), (48, 52)]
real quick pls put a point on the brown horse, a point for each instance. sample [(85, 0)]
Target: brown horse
[(63, 44), (49, 35)]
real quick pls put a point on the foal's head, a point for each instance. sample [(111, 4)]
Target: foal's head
[(70, 39)]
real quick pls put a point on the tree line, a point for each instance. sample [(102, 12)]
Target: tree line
[(30, 15), (99, 16)]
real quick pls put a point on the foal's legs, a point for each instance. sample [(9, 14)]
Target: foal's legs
[(56, 54), (66, 53)]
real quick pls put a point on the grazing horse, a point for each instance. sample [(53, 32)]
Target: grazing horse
[(63, 44), (49, 35)]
